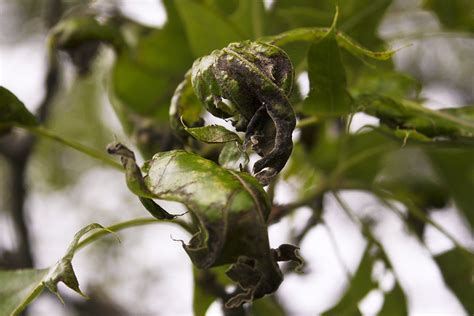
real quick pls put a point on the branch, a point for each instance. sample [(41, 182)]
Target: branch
[(130, 224)]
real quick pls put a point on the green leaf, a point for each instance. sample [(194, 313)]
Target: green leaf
[(20, 287), (361, 156), (267, 305), (185, 107), (327, 78), (233, 156), (213, 134), (206, 28), (202, 299), (139, 90), (302, 169), (410, 115), (358, 50), (13, 111), (408, 172), (456, 168), (385, 82), (250, 17), (464, 112), (360, 285), (297, 13), (454, 14), (458, 273), (394, 303), (72, 32), (360, 19)]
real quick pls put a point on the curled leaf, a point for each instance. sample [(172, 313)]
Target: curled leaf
[(231, 209)]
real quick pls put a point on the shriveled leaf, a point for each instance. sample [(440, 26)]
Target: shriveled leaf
[(458, 273), (213, 134), (206, 184), (13, 111), (20, 287), (232, 209), (328, 93), (206, 29), (233, 156), (360, 285)]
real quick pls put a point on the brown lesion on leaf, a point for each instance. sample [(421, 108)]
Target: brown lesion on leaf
[(250, 82)]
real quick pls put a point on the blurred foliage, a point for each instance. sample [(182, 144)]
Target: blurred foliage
[(421, 157), (20, 287), (455, 14), (77, 112)]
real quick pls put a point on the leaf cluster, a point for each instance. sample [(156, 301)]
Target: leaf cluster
[(417, 156)]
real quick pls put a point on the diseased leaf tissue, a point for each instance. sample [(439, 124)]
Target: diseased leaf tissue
[(239, 62), (231, 209)]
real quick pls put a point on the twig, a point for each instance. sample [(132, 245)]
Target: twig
[(337, 251), (130, 224), (280, 211), (315, 219)]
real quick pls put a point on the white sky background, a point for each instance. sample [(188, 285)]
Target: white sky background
[(162, 280)]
